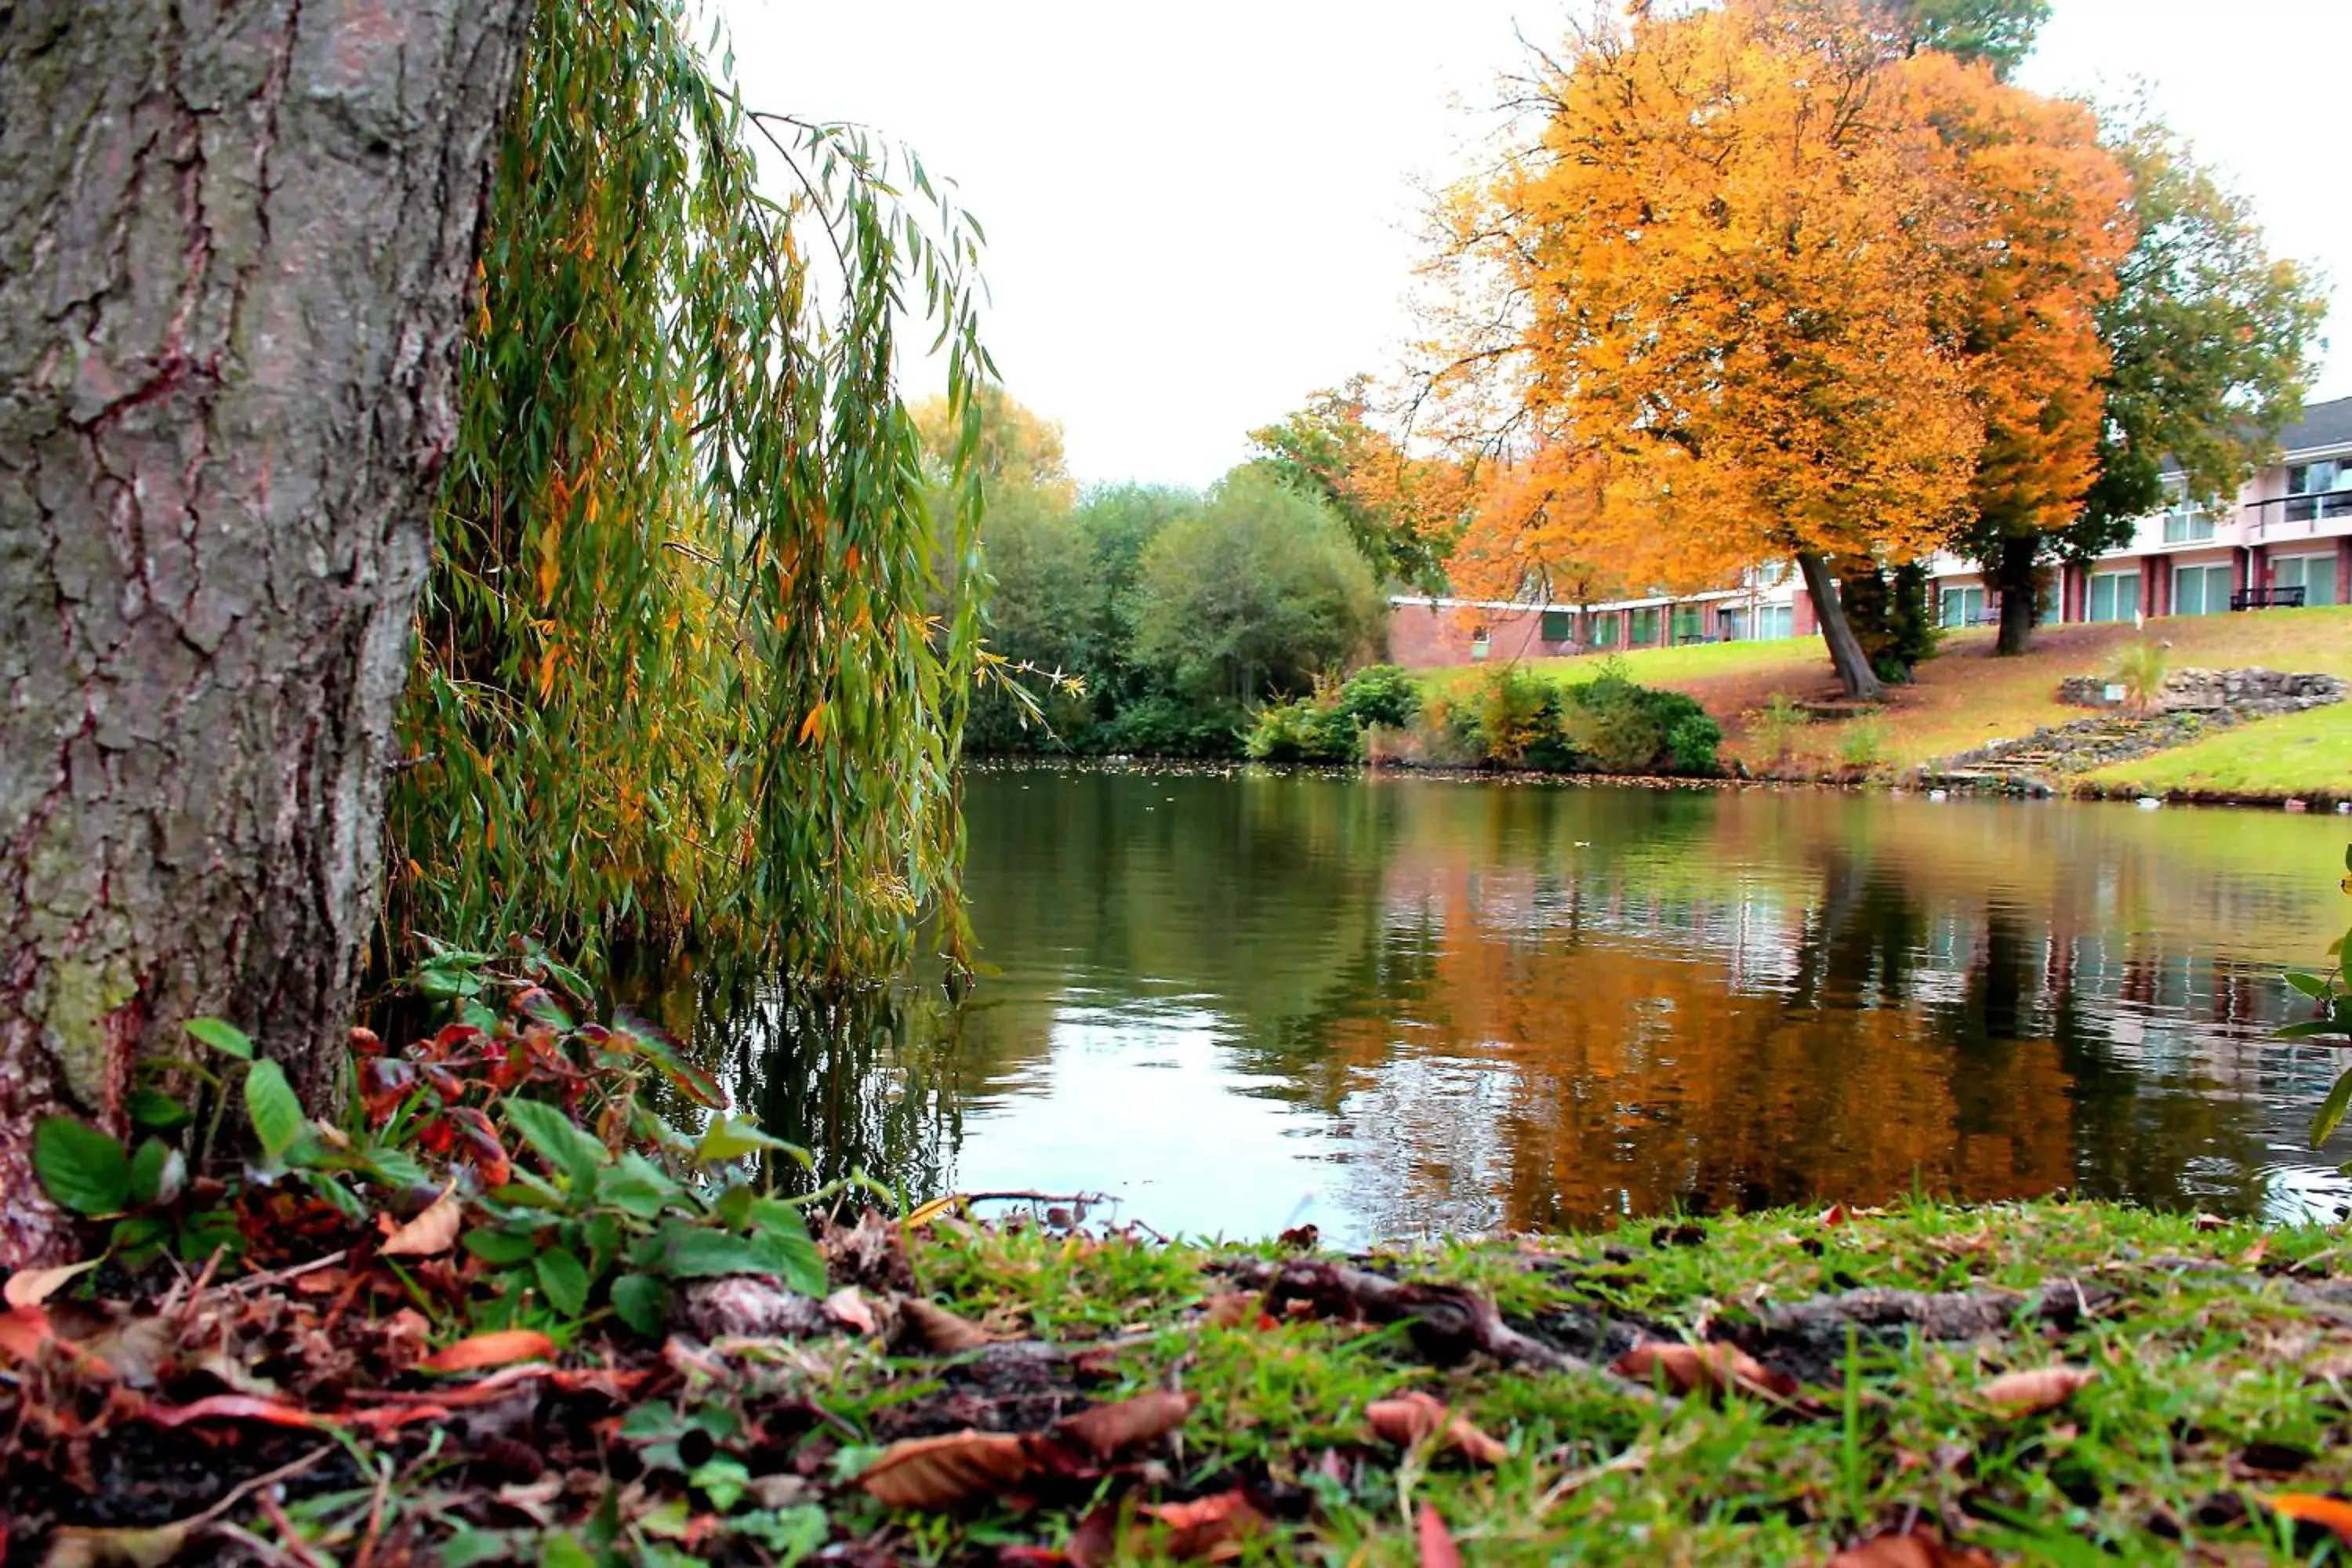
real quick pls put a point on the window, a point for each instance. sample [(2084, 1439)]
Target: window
[(2200, 590), (1776, 621), (2053, 599), (1690, 624), (1478, 644), (1963, 607), (1559, 626), (1645, 628), (2314, 574), (2184, 521), (1604, 631), (2328, 484), (2114, 596)]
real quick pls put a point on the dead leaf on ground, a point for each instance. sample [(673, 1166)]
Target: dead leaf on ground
[(2211, 1222), (72, 1547), (1437, 1548), (2310, 1507), (1211, 1526), (433, 1231), (1833, 1215), (498, 1348), (1910, 1549), (1412, 1418), (233, 1408), (850, 1309), (936, 1473), (942, 1330), (2030, 1393), (1233, 1309), (1689, 1368), (1107, 1429), (31, 1287)]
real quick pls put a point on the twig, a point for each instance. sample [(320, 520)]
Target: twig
[(295, 1545), (375, 1516), (253, 1282)]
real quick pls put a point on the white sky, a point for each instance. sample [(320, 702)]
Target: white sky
[(1199, 213)]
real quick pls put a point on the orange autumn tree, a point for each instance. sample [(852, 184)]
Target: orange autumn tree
[(1404, 510), (1767, 282), (2048, 223)]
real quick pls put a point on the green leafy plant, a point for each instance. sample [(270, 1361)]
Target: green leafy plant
[(1863, 744), (2139, 668), (1776, 726), (2331, 1018)]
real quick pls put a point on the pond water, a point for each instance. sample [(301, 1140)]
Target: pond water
[(1395, 1006)]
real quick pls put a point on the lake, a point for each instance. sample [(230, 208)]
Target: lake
[(1394, 1006)]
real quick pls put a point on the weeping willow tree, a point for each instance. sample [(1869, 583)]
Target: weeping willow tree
[(694, 658)]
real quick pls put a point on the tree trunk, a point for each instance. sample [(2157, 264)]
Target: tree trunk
[(236, 248), (2012, 578), (1853, 665)]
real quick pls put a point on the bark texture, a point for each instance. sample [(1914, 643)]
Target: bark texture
[(236, 250), (1853, 665), (2013, 576)]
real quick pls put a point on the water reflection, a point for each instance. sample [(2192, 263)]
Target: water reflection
[(1399, 1006)]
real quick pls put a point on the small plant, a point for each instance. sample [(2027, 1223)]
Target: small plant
[(2140, 669), (1776, 725), (2331, 1017), (1863, 745)]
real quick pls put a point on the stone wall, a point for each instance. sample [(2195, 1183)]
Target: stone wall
[(2245, 692)]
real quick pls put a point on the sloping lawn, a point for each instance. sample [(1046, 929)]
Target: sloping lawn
[(2302, 754)]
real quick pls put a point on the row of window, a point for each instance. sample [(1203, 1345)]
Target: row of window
[(2196, 591)]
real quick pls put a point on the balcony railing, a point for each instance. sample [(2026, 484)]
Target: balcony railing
[(2273, 598), (2291, 517)]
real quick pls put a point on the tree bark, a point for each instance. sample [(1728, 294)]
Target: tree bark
[(2012, 579), (1853, 665), (236, 248)]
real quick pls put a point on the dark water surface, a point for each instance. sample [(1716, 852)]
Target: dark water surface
[(1396, 1006)]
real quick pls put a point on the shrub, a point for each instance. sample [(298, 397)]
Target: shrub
[(1516, 708), (1164, 726), (1312, 730), (1381, 694), (1691, 743), (1864, 745), (1609, 726), (2140, 669)]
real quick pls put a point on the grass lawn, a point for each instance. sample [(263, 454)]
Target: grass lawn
[(1966, 697)]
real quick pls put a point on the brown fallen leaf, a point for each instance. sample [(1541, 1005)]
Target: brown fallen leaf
[(1414, 1417), (1437, 1548), (849, 1308), (1109, 1429), (2311, 1507), (1714, 1368), (937, 1473), (2030, 1393), (73, 1547), (2211, 1222), (497, 1347), (1233, 1309), (940, 1330), (234, 1408), (1910, 1549), (1211, 1526), (433, 1231), (31, 1287), (2256, 1253)]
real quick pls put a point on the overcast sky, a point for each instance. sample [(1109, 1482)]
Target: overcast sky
[(1199, 213)]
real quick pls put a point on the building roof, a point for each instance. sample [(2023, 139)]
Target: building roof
[(2325, 424)]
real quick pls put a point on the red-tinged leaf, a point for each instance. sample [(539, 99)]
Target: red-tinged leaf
[(24, 1330), (938, 1473), (1437, 1548), (2310, 1507), (1235, 1308), (1833, 1215), (1205, 1526), (433, 1231), (1910, 1549), (1108, 1429), (1714, 1369), (1414, 1417), (234, 1407), (2032, 1392), (497, 1347)]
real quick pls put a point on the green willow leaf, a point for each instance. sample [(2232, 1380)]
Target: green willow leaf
[(2331, 1110)]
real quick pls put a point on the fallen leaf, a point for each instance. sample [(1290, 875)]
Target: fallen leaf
[(2030, 1393), (1833, 1215), (72, 1547), (2211, 1222), (1713, 1367), (934, 1473), (234, 1408), (2310, 1507), (435, 1230), (942, 1330), (24, 1330), (1414, 1417), (1437, 1548), (849, 1308), (1233, 1309), (2256, 1253), (31, 1287), (1205, 1527), (1910, 1549), (1130, 1424), (497, 1347)]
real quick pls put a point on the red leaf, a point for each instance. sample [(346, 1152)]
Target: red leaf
[(1130, 1424), (234, 1408), (1712, 1368), (1833, 1215), (2309, 1508), (495, 1349), (1414, 1417), (1201, 1527), (1437, 1548)]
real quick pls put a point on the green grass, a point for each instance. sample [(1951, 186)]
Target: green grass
[(2299, 753), (2199, 1355), (1665, 666)]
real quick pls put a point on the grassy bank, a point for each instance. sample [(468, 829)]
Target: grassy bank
[(1966, 697), (1030, 1393)]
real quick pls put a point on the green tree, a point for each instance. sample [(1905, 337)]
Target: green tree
[(1400, 512), (2211, 339), (1253, 595), (1999, 32), (1041, 595), (1119, 523)]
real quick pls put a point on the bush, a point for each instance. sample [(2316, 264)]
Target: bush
[(1864, 745), (1312, 730), (1516, 708), (1775, 726), (1691, 743), (1381, 694), (1161, 725)]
